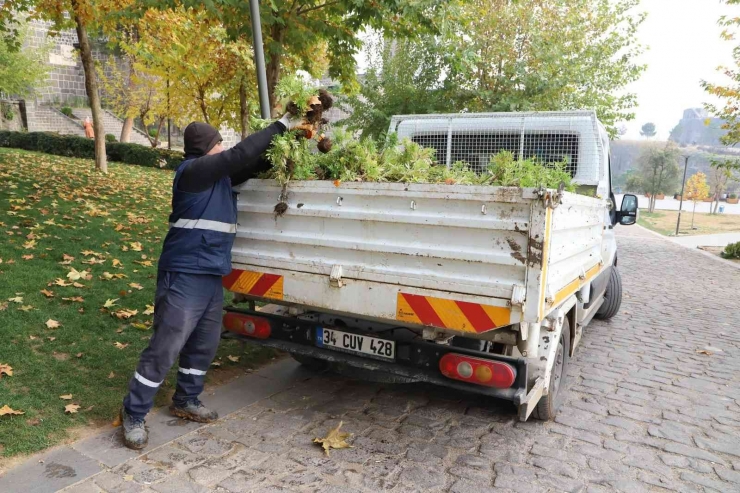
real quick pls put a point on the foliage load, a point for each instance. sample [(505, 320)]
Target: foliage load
[(732, 251), (80, 147)]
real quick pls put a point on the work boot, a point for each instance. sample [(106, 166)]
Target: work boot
[(194, 411), (135, 435)]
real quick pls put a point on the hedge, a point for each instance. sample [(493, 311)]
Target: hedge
[(81, 147)]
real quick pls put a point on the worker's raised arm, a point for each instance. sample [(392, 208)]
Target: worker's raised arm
[(241, 162)]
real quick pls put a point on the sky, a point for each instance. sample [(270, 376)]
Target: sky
[(684, 47)]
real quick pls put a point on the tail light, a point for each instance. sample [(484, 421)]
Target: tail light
[(477, 370), (247, 325)]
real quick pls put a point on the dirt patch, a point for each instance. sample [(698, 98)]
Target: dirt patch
[(60, 356), (516, 251)]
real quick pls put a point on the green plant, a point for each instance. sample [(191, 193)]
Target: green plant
[(67, 111), (7, 111), (153, 133), (293, 88), (110, 138), (80, 147), (733, 195), (732, 251)]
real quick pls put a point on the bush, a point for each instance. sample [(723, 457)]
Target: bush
[(153, 133), (81, 147), (110, 138), (7, 111), (67, 111), (733, 195), (732, 251)]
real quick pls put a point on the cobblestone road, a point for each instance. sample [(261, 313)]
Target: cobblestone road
[(645, 411)]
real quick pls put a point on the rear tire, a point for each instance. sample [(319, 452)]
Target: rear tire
[(612, 296), (549, 404), (313, 364)]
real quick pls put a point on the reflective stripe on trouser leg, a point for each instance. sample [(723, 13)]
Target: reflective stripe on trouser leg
[(199, 351), (173, 326)]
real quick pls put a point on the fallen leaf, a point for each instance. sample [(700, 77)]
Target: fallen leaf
[(3, 306), (78, 355), (149, 310), (136, 285), (61, 282), (77, 299), (110, 303), (52, 339), (47, 293), (117, 263), (71, 408), (67, 258), (119, 331), (7, 369), (78, 285), (117, 422), (233, 359), (125, 313), (26, 308), (120, 345), (111, 375), (29, 244), (5, 410), (145, 263), (33, 338), (216, 364), (136, 246), (17, 299), (66, 397), (335, 439), (27, 257), (52, 324), (75, 275), (703, 351), (140, 326)]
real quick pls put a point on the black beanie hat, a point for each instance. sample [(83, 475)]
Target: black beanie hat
[(200, 138)]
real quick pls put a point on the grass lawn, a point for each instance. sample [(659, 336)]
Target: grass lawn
[(72, 240), (664, 222)]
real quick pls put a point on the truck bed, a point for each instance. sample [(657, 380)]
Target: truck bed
[(461, 258)]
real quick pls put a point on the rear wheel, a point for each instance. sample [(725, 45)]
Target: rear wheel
[(612, 296), (314, 364), (549, 404)]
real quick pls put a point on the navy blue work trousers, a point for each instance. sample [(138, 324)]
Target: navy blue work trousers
[(187, 322)]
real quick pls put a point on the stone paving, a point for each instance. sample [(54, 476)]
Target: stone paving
[(653, 404)]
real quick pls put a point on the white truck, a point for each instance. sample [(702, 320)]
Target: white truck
[(480, 288)]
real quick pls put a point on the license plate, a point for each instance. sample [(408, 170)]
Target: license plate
[(354, 343)]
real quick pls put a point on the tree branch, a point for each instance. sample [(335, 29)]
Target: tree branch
[(317, 7)]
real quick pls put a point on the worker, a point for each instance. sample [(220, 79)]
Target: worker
[(188, 301), (88, 126)]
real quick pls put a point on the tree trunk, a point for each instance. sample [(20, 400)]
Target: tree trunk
[(243, 110), (91, 88), (128, 125), (716, 204), (273, 67)]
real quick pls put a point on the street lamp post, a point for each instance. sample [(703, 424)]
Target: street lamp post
[(683, 184), (259, 58)]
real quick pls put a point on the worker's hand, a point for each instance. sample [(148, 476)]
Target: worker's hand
[(291, 121)]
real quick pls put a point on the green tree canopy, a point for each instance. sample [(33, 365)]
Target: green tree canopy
[(498, 55), (648, 130), (21, 70), (657, 172)]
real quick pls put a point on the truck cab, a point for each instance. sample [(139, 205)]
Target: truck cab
[(480, 288)]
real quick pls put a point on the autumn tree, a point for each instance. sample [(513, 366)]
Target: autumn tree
[(499, 55), (83, 16), (21, 70), (721, 173), (648, 130), (697, 190), (657, 172)]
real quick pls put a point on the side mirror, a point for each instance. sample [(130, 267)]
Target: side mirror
[(628, 212)]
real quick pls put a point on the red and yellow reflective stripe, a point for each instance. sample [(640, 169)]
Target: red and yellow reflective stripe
[(254, 284), (450, 314)]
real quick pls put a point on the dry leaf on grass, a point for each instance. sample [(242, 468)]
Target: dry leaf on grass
[(7, 369), (136, 285), (52, 324), (61, 282), (17, 299), (111, 375), (117, 263), (71, 408), (66, 397), (75, 275), (335, 439), (120, 345), (26, 308), (136, 246), (27, 257), (29, 244), (52, 339), (6, 410), (47, 293), (149, 310), (110, 303), (78, 285), (145, 263), (139, 326), (79, 355), (233, 359), (125, 314)]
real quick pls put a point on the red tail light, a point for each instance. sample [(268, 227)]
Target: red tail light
[(477, 370), (247, 325)]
